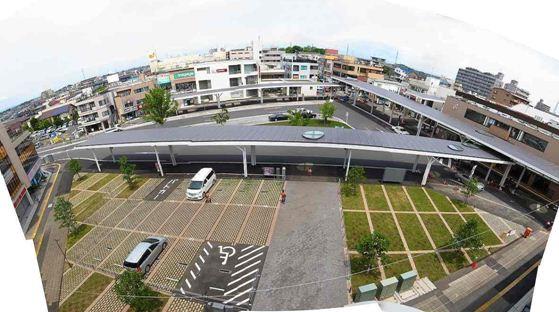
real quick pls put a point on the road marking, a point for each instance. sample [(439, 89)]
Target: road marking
[(43, 212), (247, 248), (242, 277), (237, 296), (209, 244), (202, 259), (251, 252), (247, 267), (206, 252), (193, 276), (237, 288), (197, 266), (182, 290), (240, 264), (215, 288), (244, 301), (187, 283)]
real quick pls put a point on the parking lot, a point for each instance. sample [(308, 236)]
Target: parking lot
[(239, 219)]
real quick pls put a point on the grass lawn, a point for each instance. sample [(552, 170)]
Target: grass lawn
[(462, 206), (99, 184), (126, 191), (74, 238), (163, 301), (356, 226), (311, 123), (477, 255), (413, 232), (429, 265), (383, 222), (454, 221), (398, 198), (488, 236), (72, 194), (86, 293), (419, 198), (76, 183), (353, 202), (375, 197), (439, 233), (454, 260), (358, 264), (396, 265), (89, 206), (440, 201)]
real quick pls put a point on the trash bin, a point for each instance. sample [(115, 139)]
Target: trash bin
[(527, 232)]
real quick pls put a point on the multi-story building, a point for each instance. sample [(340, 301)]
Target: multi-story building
[(96, 112), (518, 128), (303, 69), (513, 87), (19, 164), (129, 97), (240, 54), (507, 98), (271, 58), (473, 81), (350, 66), (542, 106)]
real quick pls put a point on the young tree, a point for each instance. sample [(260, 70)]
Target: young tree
[(327, 110), (372, 247), (221, 117), (127, 170), (355, 176), (131, 289), (34, 123), (468, 236), (63, 213), (158, 105), (296, 118), (75, 167), (470, 189)]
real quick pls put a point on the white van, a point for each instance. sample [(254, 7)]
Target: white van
[(200, 184)]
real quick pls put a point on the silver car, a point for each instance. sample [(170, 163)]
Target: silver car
[(145, 253)]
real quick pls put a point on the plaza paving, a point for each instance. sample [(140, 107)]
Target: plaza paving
[(241, 212), (419, 224)]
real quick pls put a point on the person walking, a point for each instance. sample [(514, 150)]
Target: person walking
[(283, 196)]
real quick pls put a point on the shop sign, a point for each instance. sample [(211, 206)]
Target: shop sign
[(186, 74)]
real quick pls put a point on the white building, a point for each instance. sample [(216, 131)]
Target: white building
[(97, 112), (303, 69), (401, 73), (392, 86)]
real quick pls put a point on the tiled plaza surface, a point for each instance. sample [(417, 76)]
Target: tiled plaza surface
[(419, 224), (241, 212)]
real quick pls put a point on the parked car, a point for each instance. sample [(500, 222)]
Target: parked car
[(200, 184), (142, 257), (465, 179), (306, 113), (278, 117), (400, 130)]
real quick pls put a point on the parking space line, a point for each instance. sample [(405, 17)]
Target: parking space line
[(275, 218), (237, 288), (243, 277), (223, 211), (237, 296), (251, 252), (248, 260), (247, 248), (246, 268)]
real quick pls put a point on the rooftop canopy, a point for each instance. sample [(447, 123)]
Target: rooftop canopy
[(529, 160), (234, 135)]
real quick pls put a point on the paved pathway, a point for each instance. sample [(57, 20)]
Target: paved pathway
[(307, 246)]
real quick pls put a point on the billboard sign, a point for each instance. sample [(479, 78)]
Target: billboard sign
[(186, 74), (163, 79)]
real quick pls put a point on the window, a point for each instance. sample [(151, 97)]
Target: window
[(250, 68), (303, 76), (474, 116), (304, 67), (144, 256), (105, 113), (234, 82), (203, 69), (501, 125), (234, 69), (534, 142), (122, 93), (140, 90), (514, 133), (205, 84), (295, 67)]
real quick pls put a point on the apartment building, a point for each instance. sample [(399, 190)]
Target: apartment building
[(19, 164), (96, 112), (240, 54), (354, 67), (271, 58), (301, 69), (506, 97), (517, 128), (513, 87), (129, 97), (473, 81)]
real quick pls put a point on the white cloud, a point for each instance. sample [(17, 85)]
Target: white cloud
[(48, 44)]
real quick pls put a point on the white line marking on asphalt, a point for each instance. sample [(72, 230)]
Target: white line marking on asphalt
[(197, 266), (237, 288), (182, 291), (193, 275), (251, 252), (206, 252), (247, 267), (244, 301), (247, 248), (242, 277), (187, 283), (215, 288), (237, 296), (209, 244), (240, 264), (203, 261)]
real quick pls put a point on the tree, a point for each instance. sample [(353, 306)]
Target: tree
[(470, 188), (63, 213), (75, 116), (327, 110), (131, 289), (75, 167), (355, 176), (221, 117), (158, 105), (296, 118), (127, 170), (57, 121), (34, 123), (468, 236), (372, 247)]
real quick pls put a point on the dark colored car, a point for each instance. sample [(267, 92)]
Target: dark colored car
[(306, 113), (278, 117)]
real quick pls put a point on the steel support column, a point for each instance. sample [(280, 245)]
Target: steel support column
[(348, 164), (158, 161), (172, 154), (520, 178), (414, 168), (112, 154), (96, 161), (253, 155), (261, 96), (427, 170), (244, 151), (489, 171), (505, 176), (419, 125), (473, 171), (434, 128)]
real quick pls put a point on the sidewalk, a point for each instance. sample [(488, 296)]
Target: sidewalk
[(461, 291)]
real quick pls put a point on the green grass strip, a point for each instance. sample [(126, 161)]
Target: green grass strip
[(358, 264), (74, 238), (488, 237), (438, 231), (89, 206), (429, 265), (127, 191), (76, 183), (420, 200), (454, 221), (440, 201), (413, 232), (376, 201), (84, 296), (454, 260), (398, 198), (353, 202), (356, 227), (396, 264), (462, 206), (384, 223), (99, 184)]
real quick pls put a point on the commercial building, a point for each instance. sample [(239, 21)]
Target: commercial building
[(19, 164), (129, 97), (240, 54), (303, 69), (96, 112), (542, 106), (513, 87), (506, 97), (473, 81), (271, 58), (358, 68)]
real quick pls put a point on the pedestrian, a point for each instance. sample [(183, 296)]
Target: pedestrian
[(309, 171), (283, 196), (208, 198)]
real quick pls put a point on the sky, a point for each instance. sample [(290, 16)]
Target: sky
[(47, 44)]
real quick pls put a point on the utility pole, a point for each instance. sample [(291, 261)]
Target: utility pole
[(347, 49), (83, 74), (396, 60)]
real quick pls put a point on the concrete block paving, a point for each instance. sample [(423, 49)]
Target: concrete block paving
[(181, 305), (113, 186), (222, 191), (120, 213), (72, 279), (147, 188), (80, 197), (269, 193), (246, 192), (179, 193), (89, 241), (172, 267), (203, 222), (91, 180), (158, 216), (137, 215), (113, 264), (104, 248), (257, 228), (107, 302), (104, 211), (179, 220), (230, 224)]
